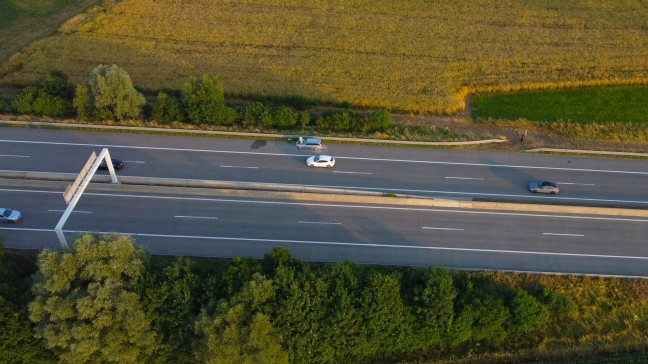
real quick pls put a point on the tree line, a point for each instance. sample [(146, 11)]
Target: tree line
[(106, 299), (109, 94)]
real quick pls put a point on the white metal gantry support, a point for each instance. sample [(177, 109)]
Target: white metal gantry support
[(74, 191)]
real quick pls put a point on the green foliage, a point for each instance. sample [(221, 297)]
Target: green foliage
[(204, 102), (527, 314), (384, 317), (241, 331), (300, 313), (17, 342), (23, 103), (56, 84), (433, 296), (82, 102), (256, 114), (592, 104), (112, 94), (167, 108), (341, 332), (170, 298), (226, 311), (86, 302), (340, 120), (379, 120), (278, 257), (284, 117), (48, 96), (5, 106)]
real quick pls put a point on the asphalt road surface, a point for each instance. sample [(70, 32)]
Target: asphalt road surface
[(416, 171), (227, 227), (203, 226)]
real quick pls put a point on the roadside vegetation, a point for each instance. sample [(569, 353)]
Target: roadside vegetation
[(418, 57), (617, 113), (108, 300)]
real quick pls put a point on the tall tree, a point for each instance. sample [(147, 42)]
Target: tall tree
[(204, 101), (86, 302), (170, 298), (240, 331), (112, 94), (433, 305), (17, 341), (384, 316)]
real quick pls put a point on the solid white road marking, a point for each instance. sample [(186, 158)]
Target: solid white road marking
[(79, 212), (574, 183), (239, 167), (480, 179), (362, 245), (140, 162), (438, 228), (15, 156), (320, 222), (196, 217), (352, 172), (562, 234)]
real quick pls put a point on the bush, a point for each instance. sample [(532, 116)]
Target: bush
[(82, 102), (285, 117), (5, 106), (23, 103), (204, 102), (379, 120), (256, 113), (168, 108), (56, 84)]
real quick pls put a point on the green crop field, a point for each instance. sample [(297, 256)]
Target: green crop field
[(419, 56), (591, 104)]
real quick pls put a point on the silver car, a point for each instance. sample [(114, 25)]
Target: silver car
[(309, 143), (544, 187), (9, 215)]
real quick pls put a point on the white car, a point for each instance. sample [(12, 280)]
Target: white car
[(320, 161), (9, 215)]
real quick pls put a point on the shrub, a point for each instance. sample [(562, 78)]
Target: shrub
[(51, 105), (167, 108), (379, 120), (23, 103), (256, 113), (285, 117), (5, 106), (82, 102), (204, 101), (56, 84)]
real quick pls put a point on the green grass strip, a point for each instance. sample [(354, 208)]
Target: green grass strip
[(592, 104)]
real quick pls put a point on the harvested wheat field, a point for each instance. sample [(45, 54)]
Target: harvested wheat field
[(417, 56)]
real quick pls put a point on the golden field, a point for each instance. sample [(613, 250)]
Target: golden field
[(419, 56)]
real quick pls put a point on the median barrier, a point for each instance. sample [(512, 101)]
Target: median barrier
[(296, 192)]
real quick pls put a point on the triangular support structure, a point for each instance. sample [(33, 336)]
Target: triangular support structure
[(74, 191)]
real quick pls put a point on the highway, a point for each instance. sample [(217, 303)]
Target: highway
[(217, 226), (417, 171)]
